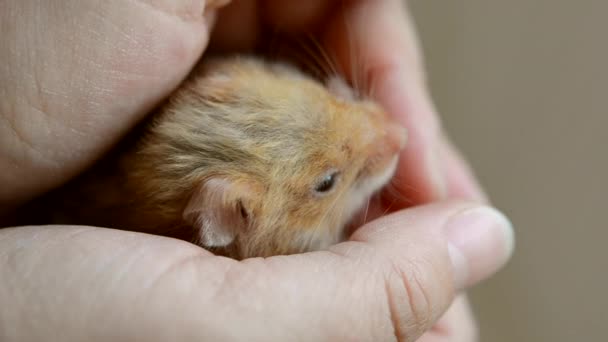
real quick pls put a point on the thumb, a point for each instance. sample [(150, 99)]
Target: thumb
[(466, 240), (416, 259)]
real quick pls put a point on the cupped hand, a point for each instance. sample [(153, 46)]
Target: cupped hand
[(77, 76), (392, 281)]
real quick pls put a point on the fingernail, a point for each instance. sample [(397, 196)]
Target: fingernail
[(480, 241)]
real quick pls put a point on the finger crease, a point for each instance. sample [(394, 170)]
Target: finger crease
[(394, 314)]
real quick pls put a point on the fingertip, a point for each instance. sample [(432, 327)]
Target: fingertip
[(477, 239), (481, 241)]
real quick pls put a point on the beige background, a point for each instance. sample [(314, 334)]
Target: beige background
[(522, 86)]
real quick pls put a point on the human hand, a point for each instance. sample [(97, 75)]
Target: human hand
[(392, 281), (122, 58), (77, 78)]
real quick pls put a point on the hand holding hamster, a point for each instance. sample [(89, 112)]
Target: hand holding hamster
[(132, 56), (392, 281)]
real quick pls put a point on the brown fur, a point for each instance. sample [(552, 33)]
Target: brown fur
[(266, 135)]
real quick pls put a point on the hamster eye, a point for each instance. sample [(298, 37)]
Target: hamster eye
[(327, 183), (242, 210)]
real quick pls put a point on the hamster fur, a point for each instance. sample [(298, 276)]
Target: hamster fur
[(247, 158)]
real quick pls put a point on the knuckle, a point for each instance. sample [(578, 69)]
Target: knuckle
[(410, 298)]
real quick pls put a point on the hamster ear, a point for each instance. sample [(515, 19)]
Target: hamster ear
[(217, 210)]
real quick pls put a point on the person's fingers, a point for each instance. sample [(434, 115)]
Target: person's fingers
[(77, 75), (375, 42)]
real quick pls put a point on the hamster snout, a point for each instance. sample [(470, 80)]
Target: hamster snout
[(390, 141), (386, 139), (396, 137)]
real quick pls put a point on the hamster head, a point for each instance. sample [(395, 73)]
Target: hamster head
[(276, 162)]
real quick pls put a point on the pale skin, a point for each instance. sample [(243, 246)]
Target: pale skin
[(77, 75)]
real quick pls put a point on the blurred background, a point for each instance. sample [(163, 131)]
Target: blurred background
[(522, 87)]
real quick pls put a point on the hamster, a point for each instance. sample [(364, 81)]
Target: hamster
[(248, 158)]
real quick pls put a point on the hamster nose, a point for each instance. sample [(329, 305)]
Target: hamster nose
[(391, 136), (388, 143)]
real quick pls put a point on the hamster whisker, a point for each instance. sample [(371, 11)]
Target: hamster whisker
[(313, 62), (316, 57), (398, 184), (326, 60), (389, 207), (366, 210)]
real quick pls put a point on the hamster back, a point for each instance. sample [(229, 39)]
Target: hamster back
[(247, 158)]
